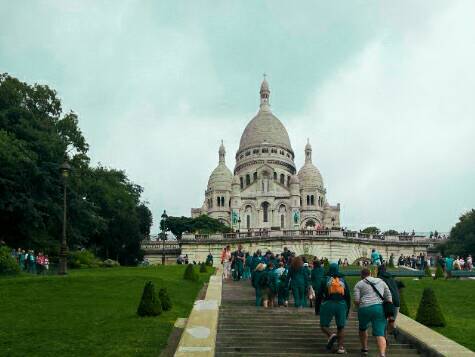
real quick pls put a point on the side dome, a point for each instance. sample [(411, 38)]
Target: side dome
[(221, 178), (309, 176)]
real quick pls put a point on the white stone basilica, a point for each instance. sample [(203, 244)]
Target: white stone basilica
[(266, 191)]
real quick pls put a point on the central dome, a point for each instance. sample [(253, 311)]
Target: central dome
[(265, 127)]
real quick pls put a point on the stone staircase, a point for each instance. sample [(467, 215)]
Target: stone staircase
[(246, 330)]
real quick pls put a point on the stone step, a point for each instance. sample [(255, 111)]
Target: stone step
[(270, 348), (312, 354)]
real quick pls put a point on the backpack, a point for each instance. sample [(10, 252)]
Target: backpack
[(336, 285)]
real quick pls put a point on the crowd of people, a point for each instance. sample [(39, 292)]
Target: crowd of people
[(31, 263), (275, 276)]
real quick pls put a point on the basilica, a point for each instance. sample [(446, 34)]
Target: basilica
[(266, 191)]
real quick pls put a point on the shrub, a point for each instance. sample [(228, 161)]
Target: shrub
[(83, 259), (429, 312), (403, 309), (150, 304), (190, 273), (203, 268), (439, 272), (427, 271), (165, 299), (391, 261), (109, 263), (8, 264)]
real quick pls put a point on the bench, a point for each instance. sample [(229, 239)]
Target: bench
[(463, 274)]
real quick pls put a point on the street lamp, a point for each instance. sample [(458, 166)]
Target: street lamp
[(65, 170), (163, 228)]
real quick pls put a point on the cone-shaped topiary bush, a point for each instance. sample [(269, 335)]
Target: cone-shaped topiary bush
[(165, 299), (439, 272), (190, 273), (403, 309), (203, 268), (429, 312), (391, 261), (150, 304), (428, 272)]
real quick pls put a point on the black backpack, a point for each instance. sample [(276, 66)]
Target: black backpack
[(264, 281)]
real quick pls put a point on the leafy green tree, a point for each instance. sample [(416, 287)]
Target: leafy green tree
[(202, 224), (462, 236), (403, 309), (439, 272), (190, 273), (165, 299), (391, 232), (8, 264), (105, 213), (371, 230)]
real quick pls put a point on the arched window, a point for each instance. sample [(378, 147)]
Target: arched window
[(241, 181), (300, 201), (255, 176), (265, 212), (282, 221), (308, 200), (275, 175), (282, 179), (263, 188), (248, 180), (248, 221), (312, 200), (222, 201), (288, 180), (218, 201), (310, 223)]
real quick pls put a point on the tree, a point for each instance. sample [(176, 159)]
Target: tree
[(462, 236), (150, 304), (403, 309), (391, 232), (202, 224), (203, 268), (165, 299), (371, 230), (429, 312), (190, 273), (439, 272), (105, 213)]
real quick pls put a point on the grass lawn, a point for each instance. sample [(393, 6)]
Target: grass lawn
[(90, 312), (456, 299)]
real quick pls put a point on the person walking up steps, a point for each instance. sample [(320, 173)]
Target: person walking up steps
[(260, 282), (299, 281), (369, 295), (333, 300)]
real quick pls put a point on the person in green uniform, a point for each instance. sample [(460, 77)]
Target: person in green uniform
[(260, 283), (274, 284), (247, 266), (449, 266), (299, 281), (393, 288), (209, 259), (316, 276), (333, 301), (239, 259)]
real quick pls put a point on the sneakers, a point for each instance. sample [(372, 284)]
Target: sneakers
[(340, 351), (331, 342), (364, 352)]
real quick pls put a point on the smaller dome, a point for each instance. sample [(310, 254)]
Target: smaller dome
[(310, 177), (294, 179), (221, 178)]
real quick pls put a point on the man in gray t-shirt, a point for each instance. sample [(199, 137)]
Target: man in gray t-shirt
[(370, 309)]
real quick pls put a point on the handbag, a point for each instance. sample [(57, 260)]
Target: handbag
[(311, 293), (388, 307)]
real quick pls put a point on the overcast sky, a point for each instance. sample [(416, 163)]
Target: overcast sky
[(385, 90)]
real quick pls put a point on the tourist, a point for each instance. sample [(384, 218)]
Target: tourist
[(375, 257), (238, 259), (283, 291), (393, 288), (346, 263), (186, 259), (46, 263), (316, 277), (40, 262), (226, 261), (333, 301), (449, 265), (469, 263), (369, 295), (274, 284), (260, 282), (246, 275), (299, 281), (31, 262), (209, 259), (22, 260), (456, 264)]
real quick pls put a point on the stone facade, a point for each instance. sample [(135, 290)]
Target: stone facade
[(266, 191)]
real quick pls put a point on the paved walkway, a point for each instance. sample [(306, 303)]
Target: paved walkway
[(245, 330)]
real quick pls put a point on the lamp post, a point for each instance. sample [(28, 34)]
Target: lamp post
[(65, 169), (163, 234)]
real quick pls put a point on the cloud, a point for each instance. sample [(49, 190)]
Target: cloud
[(393, 128)]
